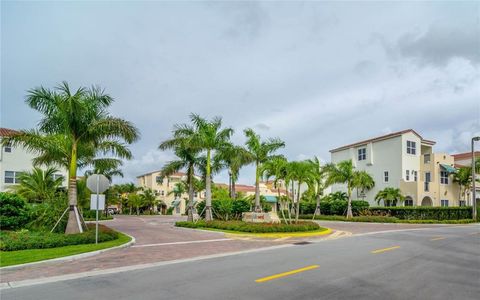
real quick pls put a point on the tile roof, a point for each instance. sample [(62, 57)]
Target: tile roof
[(8, 132), (383, 137), (465, 155)]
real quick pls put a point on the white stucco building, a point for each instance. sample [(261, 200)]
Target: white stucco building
[(403, 160), (14, 161)]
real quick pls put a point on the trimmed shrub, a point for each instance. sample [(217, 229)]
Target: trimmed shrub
[(21, 240), (425, 213), (384, 219), (252, 227), (14, 212), (226, 209)]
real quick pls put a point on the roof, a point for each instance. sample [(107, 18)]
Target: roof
[(8, 132), (176, 174), (465, 155), (384, 137)]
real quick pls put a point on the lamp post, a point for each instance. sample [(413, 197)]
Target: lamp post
[(474, 197)]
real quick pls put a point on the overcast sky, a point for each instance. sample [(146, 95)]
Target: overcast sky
[(316, 74)]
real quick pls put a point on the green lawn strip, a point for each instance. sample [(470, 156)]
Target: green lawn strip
[(9, 258)]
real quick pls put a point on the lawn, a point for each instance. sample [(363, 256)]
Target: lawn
[(9, 258)]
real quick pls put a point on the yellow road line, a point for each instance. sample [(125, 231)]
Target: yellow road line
[(384, 249), (286, 273), (437, 238)]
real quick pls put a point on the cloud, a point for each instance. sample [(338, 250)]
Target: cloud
[(262, 126), (439, 44)]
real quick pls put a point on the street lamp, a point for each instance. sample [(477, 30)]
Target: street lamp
[(474, 198)]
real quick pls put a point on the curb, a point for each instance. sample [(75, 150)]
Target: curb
[(70, 257)]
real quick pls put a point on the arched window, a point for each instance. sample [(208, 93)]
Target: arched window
[(408, 201)]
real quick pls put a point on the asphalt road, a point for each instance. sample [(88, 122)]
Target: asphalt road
[(438, 263)]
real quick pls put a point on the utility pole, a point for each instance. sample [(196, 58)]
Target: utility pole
[(474, 197)]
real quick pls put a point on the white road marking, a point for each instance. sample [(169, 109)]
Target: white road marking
[(181, 243)]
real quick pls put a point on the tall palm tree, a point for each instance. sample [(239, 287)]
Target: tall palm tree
[(344, 173), (301, 172), (233, 158), (210, 137), (316, 182), (390, 196), (38, 185), (81, 120), (276, 168), (187, 152), (261, 152), (463, 177)]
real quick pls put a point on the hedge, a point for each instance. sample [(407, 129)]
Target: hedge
[(21, 240), (14, 212), (335, 207), (384, 219), (424, 213), (252, 227), (225, 209)]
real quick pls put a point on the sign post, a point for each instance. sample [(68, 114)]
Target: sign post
[(97, 183)]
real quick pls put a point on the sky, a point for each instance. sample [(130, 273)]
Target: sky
[(318, 75)]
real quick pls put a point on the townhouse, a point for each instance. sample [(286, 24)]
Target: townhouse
[(15, 160), (403, 160)]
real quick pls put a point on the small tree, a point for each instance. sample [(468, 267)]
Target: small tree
[(390, 196), (38, 185)]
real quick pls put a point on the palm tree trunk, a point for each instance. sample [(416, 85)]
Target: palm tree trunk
[(208, 187), (297, 210), (258, 208), (190, 193), (349, 206), (73, 224), (317, 208), (230, 184), (281, 204), (234, 194)]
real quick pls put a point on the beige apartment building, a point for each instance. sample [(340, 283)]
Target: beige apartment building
[(403, 160), (165, 189)]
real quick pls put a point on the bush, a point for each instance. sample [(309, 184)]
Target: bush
[(21, 240), (14, 212), (45, 215), (252, 227), (384, 219), (170, 211), (226, 209), (425, 213)]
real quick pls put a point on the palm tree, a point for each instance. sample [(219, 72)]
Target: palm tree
[(390, 196), (276, 168), (210, 137), (233, 158), (344, 173), (81, 122), (38, 185), (463, 177), (261, 152), (135, 200), (316, 182), (149, 198), (187, 152), (301, 172)]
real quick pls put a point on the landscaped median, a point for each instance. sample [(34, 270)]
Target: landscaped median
[(302, 229), (19, 247)]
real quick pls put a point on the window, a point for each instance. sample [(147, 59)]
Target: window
[(362, 154), (12, 177), (415, 175), (411, 147), (443, 177), (408, 202), (162, 193), (8, 148), (427, 181), (159, 179), (444, 203), (385, 176), (407, 175), (461, 203), (196, 194), (426, 158)]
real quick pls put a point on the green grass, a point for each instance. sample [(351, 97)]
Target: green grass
[(10, 258)]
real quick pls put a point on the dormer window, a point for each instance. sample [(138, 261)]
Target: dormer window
[(362, 154)]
